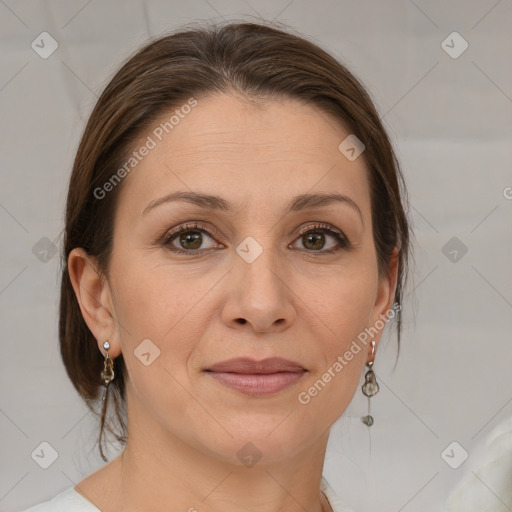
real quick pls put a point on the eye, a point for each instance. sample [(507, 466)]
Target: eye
[(313, 239), (189, 238)]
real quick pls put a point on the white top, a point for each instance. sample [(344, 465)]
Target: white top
[(70, 500), (487, 474)]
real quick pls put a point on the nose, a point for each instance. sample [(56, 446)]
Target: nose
[(259, 297)]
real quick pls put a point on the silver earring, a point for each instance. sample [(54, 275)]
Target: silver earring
[(107, 375), (370, 387)]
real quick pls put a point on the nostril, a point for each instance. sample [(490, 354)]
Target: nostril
[(242, 320)]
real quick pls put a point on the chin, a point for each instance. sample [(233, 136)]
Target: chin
[(262, 440)]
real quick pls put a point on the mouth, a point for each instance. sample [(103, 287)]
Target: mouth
[(257, 378)]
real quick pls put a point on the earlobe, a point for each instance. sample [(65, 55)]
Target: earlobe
[(92, 291)]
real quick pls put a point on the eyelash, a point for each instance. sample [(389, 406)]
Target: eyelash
[(196, 226)]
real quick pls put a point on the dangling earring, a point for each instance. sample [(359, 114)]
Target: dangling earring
[(370, 387), (107, 375)]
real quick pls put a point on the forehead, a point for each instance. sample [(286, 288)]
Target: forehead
[(263, 152)]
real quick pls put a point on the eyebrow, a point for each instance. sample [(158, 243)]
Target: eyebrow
[(212, 202)]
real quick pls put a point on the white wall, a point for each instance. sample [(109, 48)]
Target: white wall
[(451, 120)]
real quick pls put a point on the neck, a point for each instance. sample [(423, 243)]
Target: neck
[(159, 471)]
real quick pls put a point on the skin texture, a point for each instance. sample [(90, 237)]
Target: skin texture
[(298, 302)]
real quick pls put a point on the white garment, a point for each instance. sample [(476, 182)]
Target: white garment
[(487, 482), (70, 500)]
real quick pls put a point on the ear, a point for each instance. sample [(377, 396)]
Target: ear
[(385, 298), (94, 297)]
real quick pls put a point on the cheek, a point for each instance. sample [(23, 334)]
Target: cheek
[(346, 301), (149, 300), (159, 324), (345, 309), (158, 303)]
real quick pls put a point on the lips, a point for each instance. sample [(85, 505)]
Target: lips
[(253, 377), (251, 366)]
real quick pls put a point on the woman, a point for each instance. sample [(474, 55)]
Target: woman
[(235, 243)]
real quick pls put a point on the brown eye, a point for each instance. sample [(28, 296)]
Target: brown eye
[(189, 239), (316, 239)]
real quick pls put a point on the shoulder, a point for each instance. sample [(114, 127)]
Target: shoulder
[(67, 501), (71, 501), (490, 463), (335, 502)]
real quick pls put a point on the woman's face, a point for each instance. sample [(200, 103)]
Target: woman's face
[(273, 269)]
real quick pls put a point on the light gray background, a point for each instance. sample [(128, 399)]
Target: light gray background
[(451, 120)]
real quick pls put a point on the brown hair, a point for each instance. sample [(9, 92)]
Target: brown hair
[(249, 59)]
